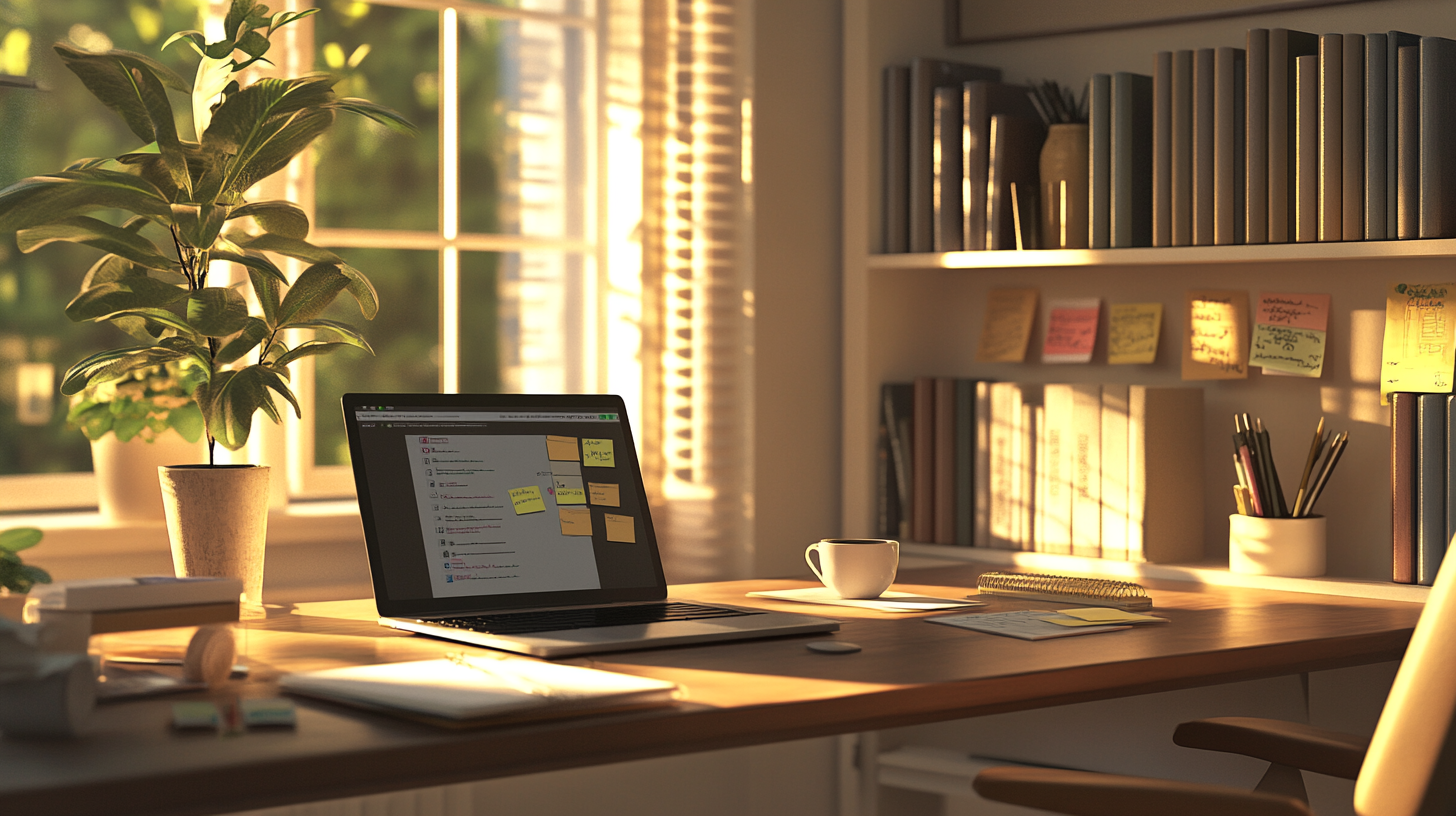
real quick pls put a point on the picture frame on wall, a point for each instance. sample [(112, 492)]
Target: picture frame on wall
[(980, 21)]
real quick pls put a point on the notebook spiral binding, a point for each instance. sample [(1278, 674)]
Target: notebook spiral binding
[(1065, 589)]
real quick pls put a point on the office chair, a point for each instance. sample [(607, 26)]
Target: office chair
[(1408, 769)]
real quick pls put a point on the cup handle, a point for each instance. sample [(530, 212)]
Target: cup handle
[(809, 551)]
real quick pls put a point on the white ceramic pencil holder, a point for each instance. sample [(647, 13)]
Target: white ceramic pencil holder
[(1291, 547)]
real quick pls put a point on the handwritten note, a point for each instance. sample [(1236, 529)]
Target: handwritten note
[(561, 449), (1133, 333), (1071, 332), (621, 528), (1419, 353), (1215, 346), (604, 495), (569, 490), (528, 500), (1289, 333), (1007, 327), (597, 453), (575, 521)]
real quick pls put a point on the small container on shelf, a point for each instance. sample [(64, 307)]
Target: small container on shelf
[(1288, 547)]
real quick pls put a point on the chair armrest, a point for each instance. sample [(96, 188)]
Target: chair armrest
[(1079, 793), (1299, 746)]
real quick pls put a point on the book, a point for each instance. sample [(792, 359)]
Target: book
[(980, 99), (982, 478), (158, 617), (1204, 134), (1023, 458), (889, 474), (1099, 161), (945, 461), (1087, 470), (1256, 136), (1430, 486), (922, 479), (1450, 454), (1228, 146), (1377, 155), (1165, 474), (1331, 170), (1005, 403), (925, 76), (948, 214), (1054, 534), (1182, 149), (141, 592), (965, 462), (480, 689), (1352, 140), (1394, 41), (1131, 207), (1015, 153), (895, 156), (1438, 123), (1408, 143), (1114, 472), (898, 406), (1403, 425), (1306, 190), (1285, 48), (1163, 149)]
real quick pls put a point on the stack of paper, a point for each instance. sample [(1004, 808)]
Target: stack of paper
[(1042, 624)]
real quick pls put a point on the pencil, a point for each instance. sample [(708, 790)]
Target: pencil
[(1336, 451), (1314, 450), (1278, 508)]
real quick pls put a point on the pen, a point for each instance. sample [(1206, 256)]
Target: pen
[(1336, 451), (1314, 451), (1266, 455)]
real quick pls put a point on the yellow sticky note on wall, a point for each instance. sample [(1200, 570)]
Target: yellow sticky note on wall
[(1007, 328), (1418, 354), (528, 500), (597, 453), (1134, 330), (621, 528), (1216, 342)]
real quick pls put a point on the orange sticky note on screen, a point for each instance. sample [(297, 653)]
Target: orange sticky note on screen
[(562, 449), (1071, 332), (622, 529)]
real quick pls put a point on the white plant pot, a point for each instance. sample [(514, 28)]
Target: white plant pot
[(126, 485), (217, 519)]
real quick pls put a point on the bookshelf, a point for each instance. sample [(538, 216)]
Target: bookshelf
[(920, 314)]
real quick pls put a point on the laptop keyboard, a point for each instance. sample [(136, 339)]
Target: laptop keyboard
[(524, 623)]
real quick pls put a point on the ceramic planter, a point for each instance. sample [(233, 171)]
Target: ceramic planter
[(126, 489), (217, 519)]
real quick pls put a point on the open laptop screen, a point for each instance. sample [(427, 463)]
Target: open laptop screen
[(483, 502)]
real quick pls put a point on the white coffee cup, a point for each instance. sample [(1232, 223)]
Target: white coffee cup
[(855, 567)]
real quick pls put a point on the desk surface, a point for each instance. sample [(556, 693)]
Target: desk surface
[(743, 693)]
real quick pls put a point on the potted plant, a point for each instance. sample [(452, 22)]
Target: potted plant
[(146, 419), (187, 207)]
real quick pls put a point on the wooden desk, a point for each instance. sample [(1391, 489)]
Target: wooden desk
[(739, 694)]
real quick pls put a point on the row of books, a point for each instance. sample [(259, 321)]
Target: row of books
[(1103, 471), (1423, 484), (1296, 137)]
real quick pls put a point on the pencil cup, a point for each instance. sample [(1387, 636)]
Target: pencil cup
[(1291, 547)]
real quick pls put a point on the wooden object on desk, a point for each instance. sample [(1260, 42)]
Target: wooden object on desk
[(738, 694)]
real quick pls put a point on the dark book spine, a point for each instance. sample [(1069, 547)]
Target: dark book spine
[(1450, 454), (1438, 137), (1408, 144), (1285, 48), (945, 461), (1331, 133), (1306, 135), (975, 119), (922, 143), (1394, 41), (946, 167), (896, 155), (1204, 135), (1163, 149), (885, 489), (922, 522), (1099, 161), (1182, 170), (1430, 487), (1352, 112), (899, 400), (1403, 424), (1132, 167), (1228, 153), (965, 462), (1376, 152), (1256, 137)]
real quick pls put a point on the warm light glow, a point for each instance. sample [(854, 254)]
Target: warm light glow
[(449, 201)]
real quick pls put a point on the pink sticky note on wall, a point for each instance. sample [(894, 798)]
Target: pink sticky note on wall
[(1295, 311), (1071, 331)]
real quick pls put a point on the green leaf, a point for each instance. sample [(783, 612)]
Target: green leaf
[(247, 340), (278, 217), (310, 348), (292, 247), (109, 269), (128, 293), (197, 38), (254, 261), (263, 126), (83, 229), (44, 199), (378, 113), (157, 320), (238, 13), (127, 428), (311, 294), (233, 397), (20, 538), (186, 421), (344, 330), (362, 291), (111, 364), (217, 312), (199, 224)]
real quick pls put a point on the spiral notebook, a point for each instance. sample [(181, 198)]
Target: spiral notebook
[(1065, 589)]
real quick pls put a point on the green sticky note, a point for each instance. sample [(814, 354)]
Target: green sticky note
[(1289, 349), (528, 500), (597, 453)]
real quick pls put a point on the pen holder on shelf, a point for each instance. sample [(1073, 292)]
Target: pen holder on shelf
[(1290, 547)]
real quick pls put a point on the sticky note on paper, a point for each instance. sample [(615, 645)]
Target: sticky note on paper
[(1215, 345), (568, 489), (1289, 334), (1071, 331), (528, 500), (575, 521), (1100, 614), (597, 453), (1007, 328), (1133, 333), (1418, 353), (561, 449), (622, 529), (604, 495)]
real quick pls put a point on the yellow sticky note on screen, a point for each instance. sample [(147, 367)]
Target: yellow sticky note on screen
[(568, 489), (621, 529), (561, 449), (1133, 333), (1418, 354), (575, 521), (597, 453), (604, 495), (528, 500)]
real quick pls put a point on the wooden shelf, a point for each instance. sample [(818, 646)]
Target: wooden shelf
[(1152, 256), (1200, 573)]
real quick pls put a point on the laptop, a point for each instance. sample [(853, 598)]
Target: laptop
[(519, 522)]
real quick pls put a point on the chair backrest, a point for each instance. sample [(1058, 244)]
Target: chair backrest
[(1410, 769)]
